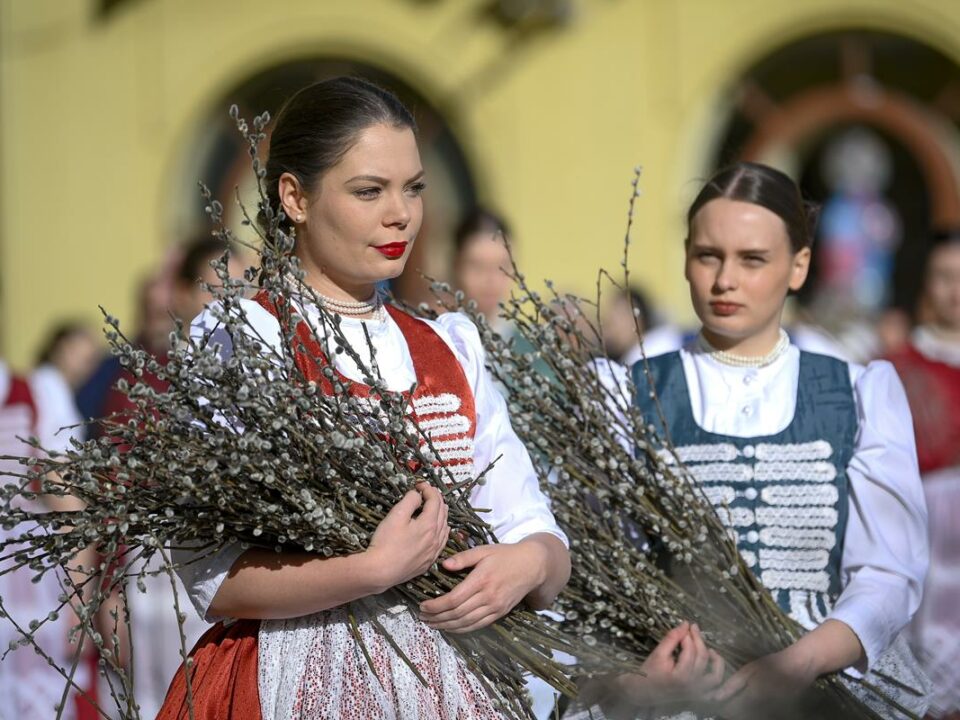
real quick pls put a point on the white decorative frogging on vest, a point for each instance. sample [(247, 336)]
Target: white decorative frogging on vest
[(721, 452), (445, 425), (800, 495), (798, 537), (794, 452), (818, 472), (792, 513), (436, 404), (805, 609), (440, 419)]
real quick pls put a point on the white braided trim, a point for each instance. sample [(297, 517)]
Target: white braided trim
[(722, 473), (816, 450), (749, 557), (720, 452), (795, 580), (433, 404), (720, 494), (792, 537), (459, 449), (802, 604), (444, 425), (739, 517), (815, 494), (822, 472), (812, 517), (455, 457), (791, 559), (818, 617)]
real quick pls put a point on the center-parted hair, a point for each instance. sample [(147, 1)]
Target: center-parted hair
[(320, 123), (764, 186)]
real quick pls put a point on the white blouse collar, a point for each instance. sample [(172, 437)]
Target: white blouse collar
[(935, 347), (704, 359)]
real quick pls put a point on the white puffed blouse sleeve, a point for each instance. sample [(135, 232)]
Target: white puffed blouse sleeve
[(885, 552), (517, 507)]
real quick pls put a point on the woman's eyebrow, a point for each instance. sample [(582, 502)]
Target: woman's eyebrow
[(383, 180), (369, 178)]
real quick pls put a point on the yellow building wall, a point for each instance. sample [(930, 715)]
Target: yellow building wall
[(96, 118)]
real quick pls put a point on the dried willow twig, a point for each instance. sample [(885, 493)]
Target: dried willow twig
[(245, 449)]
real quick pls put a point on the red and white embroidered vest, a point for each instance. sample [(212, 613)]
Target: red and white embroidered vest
[(442, 402)]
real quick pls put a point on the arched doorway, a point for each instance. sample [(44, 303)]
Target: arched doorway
[(795, 107), (218, 157)]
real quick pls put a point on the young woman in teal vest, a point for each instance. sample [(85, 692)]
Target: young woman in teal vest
[(810, 460)]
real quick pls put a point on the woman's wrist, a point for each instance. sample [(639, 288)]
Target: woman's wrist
[(830, 647), (805, 662), (372, 574), (539, 556)]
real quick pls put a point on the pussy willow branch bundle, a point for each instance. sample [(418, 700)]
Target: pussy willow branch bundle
[(648, 548)]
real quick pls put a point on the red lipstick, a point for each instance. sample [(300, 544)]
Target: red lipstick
[(725, 308), (391, 250)]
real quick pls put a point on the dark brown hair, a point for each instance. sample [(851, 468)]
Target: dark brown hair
[(478, 220), (60, 335), (320, 123), (764, 186), (197, 256)]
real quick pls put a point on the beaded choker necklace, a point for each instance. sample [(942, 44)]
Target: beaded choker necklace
[(372, 306), (351, 309), (744, 361)]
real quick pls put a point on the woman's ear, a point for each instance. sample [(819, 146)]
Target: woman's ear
[(800, 268), (293, 199)]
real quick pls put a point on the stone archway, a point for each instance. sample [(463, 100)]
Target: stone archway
[(925, 135)]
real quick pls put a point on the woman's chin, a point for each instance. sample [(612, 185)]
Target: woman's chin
[(387, 270), (726, 328)]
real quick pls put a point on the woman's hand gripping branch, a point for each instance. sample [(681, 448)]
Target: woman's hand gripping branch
[(500, 576)]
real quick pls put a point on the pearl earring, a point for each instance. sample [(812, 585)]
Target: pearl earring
[(300, 218)]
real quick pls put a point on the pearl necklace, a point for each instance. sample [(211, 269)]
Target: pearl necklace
[(341, 307), (744, 361), (372, 306)]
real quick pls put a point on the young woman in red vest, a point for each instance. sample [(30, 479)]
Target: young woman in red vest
[(345, 169)]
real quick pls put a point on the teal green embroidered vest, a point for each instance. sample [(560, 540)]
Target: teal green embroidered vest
[(783, 496)]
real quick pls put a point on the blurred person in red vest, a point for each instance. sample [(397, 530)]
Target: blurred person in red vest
[(929, 366), (152, 332), (29, 686)]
